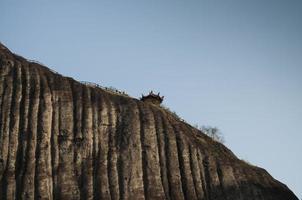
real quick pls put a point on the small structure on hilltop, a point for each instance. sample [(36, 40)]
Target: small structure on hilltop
[(152, 98)]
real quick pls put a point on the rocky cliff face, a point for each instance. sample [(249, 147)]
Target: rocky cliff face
[(60, 139)]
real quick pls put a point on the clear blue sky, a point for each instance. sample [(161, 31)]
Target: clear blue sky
[(232, 64)]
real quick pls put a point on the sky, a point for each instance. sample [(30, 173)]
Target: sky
[(234, 64)]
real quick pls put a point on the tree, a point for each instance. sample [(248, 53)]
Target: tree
[(213, 132)]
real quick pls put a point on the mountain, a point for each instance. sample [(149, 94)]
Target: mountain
[(62, 139)]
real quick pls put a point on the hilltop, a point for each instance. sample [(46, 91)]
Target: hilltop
[(63, 139)]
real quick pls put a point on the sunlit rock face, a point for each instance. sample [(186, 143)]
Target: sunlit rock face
[(60, 139)]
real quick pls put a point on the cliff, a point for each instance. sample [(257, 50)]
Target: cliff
[(61, 139)]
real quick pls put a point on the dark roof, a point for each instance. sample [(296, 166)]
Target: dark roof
[(151, 95)]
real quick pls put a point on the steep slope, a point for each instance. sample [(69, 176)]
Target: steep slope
[(60, 139)]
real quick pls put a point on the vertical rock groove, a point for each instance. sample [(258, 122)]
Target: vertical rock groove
[(197, 178), (174, 177), (184, 163), (135, 168), (154, 188), (5, 126), (86, 144), (43, 178), (28, 189), (23, 135), (68, 189), (61, 139), (112, 153), (95, 117), (13, 136), (161, 151), (102, 180), (54, 140), (203, 175)]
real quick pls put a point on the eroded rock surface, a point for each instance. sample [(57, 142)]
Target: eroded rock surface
[(60, 139)]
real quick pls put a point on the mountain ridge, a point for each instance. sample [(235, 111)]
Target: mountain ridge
[(62, 139)]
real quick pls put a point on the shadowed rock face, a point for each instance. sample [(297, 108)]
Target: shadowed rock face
[(60, 139)]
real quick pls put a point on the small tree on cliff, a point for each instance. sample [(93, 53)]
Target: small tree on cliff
[(212, 132)]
